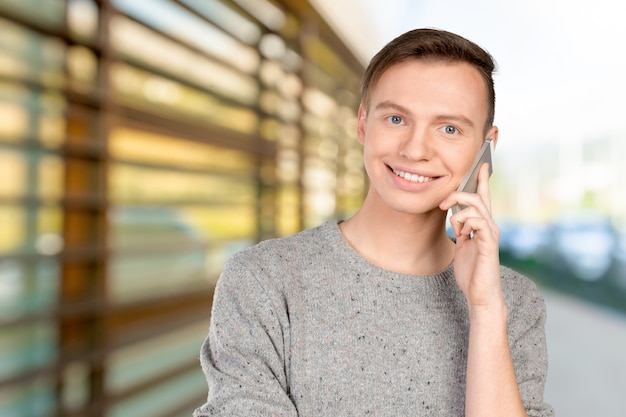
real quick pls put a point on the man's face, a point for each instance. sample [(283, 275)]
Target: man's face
[(424, 125)]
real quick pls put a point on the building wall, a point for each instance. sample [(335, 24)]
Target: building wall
[(142, 143)]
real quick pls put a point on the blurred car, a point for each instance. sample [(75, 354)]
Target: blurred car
[(523, 241), (581, 244)]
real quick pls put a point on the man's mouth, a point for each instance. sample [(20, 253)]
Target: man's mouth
[(412, 177)]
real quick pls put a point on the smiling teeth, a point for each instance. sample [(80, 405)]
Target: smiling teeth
[(412, 177)]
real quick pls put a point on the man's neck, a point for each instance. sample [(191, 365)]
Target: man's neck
[(399, 242)]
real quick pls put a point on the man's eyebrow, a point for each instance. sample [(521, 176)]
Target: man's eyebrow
[(386, 104), (459, 118)]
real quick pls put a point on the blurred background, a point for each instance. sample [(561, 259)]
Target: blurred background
[(144, 142)]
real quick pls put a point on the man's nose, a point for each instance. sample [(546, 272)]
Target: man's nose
[(417, 144)]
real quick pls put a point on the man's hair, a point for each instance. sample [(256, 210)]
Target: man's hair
[(431, 45)]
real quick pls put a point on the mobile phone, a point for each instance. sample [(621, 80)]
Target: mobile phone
[(470, 182)]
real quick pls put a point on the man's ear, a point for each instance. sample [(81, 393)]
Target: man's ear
[(361, 124), (493, 134)]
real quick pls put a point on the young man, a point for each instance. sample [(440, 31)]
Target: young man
[(383, 314)]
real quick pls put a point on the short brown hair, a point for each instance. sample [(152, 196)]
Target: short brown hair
[(436, 45)]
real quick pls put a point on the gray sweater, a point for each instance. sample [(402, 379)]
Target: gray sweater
[(304, 326)]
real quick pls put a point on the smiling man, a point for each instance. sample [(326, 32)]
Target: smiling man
[(383, 314)]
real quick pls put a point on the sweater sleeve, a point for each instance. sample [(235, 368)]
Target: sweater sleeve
[(527, 341), (243, 357)]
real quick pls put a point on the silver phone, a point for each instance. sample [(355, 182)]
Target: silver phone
[(470, 182)]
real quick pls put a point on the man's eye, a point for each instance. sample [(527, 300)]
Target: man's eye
[(450, 130), (395, 119)]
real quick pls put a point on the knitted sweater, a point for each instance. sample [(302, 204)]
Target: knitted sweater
[(304, 326)]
